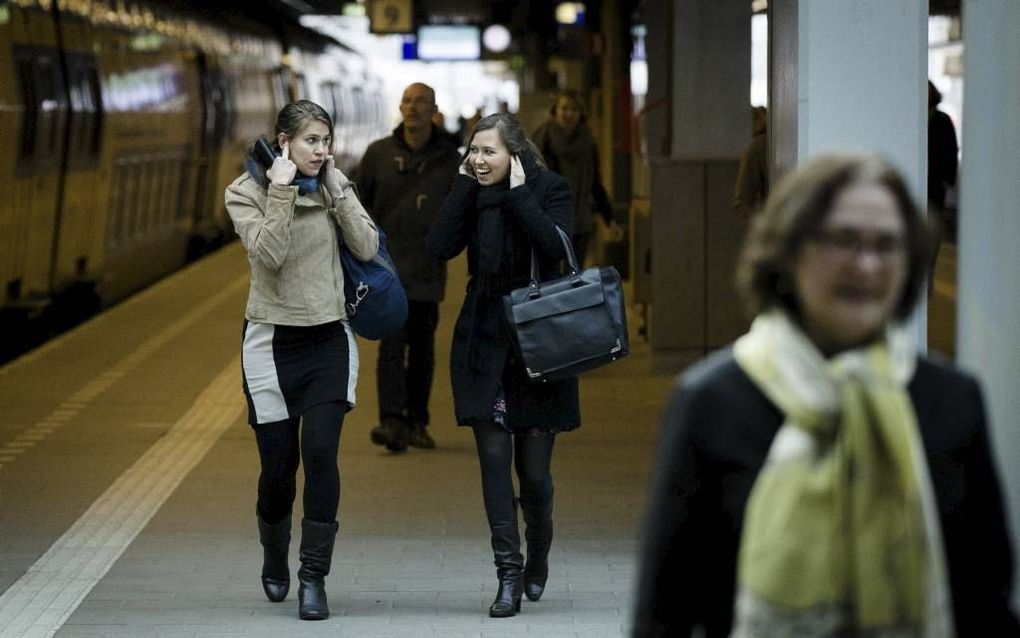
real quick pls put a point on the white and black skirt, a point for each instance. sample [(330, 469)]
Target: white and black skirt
[(288, 369)]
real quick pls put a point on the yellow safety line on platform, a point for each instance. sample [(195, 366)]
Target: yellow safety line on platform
[(72, 406), (42, 600)]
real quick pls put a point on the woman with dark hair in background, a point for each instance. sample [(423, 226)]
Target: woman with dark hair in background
[(820, 478), (570, 150), (299, 356), (504, 206)]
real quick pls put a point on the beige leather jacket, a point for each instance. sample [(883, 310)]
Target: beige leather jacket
[(296, 277)]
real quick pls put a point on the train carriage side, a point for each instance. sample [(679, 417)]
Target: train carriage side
[(152, 101)]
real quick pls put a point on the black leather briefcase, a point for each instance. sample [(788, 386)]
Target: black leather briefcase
[(564, 327)]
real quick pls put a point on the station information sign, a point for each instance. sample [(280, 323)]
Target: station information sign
[(391, 16)]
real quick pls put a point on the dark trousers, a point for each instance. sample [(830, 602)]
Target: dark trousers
[(282, 446), (405, 365), (532, 458)]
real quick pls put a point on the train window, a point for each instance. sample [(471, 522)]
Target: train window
[(84, 119), (129, 203), (171, 196), (329, 100), (116, 207), (96, 110), (359, 106), (28, 98), (280, 92), (74, 93), (180, 185), (338, 98), (49, 105), (143, 196)]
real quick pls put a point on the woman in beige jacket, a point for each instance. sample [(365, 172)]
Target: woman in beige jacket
[(299, 356)]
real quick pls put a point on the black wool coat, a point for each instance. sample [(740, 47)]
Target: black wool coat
[(403, 189), (716, 432), (482, 357)]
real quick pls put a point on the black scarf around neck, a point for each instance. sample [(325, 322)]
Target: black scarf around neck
[(496, 231), (495, 241)]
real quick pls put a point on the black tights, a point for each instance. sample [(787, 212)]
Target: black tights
[(280, 451), (531, 456)]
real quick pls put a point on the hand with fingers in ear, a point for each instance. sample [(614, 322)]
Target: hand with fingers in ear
[(283, 170), (516, 172), (335, 179)]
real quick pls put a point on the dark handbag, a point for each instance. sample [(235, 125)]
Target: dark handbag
[(373, 295), (563, 327)]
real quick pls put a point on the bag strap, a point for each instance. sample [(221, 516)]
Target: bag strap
[(534, 285)]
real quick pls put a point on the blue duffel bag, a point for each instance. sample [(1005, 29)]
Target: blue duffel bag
[(375, 299)]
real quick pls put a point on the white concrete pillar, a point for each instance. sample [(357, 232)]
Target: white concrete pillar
[(988, 298), (699, 57), (851, 76)]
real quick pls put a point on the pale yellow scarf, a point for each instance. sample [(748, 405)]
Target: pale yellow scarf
[(841, 533)]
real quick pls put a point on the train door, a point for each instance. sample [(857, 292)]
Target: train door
[(82, 205), (215, 125), (28, 212)]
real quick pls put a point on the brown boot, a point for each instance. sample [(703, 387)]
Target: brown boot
[(420, 437), (392, 433)]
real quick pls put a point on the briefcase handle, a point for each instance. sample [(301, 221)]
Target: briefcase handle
[(534, 287)]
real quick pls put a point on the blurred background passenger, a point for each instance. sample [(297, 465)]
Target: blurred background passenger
[(820, 478), (942, 160), (570, 150), (403, 179), (752, 185)]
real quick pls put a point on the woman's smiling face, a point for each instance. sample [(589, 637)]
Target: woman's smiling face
[(488, 157)]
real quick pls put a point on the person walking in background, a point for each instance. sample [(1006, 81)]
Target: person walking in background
[(403, 179), (570, 150), (299, 356), (503, 208), (752, 185), (819, 477), (942, 158)]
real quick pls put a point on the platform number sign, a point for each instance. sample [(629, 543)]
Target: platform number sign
[(391, 16)]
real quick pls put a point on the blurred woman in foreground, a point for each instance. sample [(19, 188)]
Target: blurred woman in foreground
[(819, 478)]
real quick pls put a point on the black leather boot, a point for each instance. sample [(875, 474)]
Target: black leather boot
[(538, 533), (506, 549), (275, 539), (508, 596), (316, 555)]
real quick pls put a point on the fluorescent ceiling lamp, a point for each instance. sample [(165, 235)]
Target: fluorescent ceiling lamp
[(570, 12), (496, 38)]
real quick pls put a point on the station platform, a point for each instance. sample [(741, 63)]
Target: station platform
[(128, 475)]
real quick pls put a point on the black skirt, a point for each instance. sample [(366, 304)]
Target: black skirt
[(288, 369)]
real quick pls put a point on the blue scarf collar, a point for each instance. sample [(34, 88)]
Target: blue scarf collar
[(305, 184)]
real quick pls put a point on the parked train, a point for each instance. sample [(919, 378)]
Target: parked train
[(124, 120)]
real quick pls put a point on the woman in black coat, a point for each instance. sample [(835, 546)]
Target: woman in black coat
[(819, 478), (503, 206)]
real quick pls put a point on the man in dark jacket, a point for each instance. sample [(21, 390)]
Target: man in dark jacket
[(402, 181)]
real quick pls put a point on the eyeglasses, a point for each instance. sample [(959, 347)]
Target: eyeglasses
[(848, 244)]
